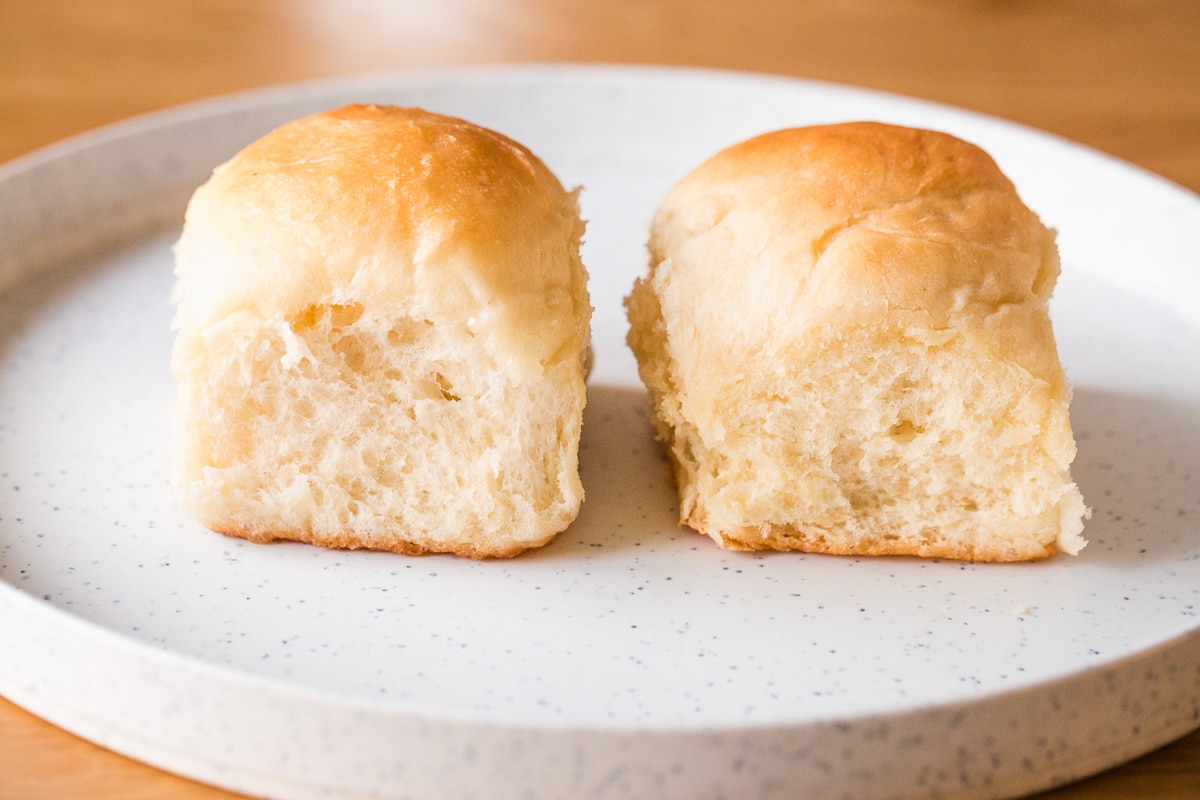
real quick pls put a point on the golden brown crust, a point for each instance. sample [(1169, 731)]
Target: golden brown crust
[(878, 542), (862, 219), (344, 540), (391, 190)]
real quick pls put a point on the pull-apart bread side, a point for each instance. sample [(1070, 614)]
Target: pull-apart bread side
[(381, 323), (845, 334)]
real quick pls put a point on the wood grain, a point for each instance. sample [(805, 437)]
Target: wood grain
[(1122, 77)]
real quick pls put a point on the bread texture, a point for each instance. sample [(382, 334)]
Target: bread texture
[(845, 335), (381, 324)]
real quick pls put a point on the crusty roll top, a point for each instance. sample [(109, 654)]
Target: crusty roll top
[(864, 219), (428, 214)]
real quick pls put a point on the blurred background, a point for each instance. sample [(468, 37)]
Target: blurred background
[(1119, 75), (1122, 76)]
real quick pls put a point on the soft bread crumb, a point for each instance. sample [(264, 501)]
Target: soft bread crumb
[(845, 335), (382, 327)]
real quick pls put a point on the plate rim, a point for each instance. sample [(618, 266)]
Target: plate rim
[(12, 596)]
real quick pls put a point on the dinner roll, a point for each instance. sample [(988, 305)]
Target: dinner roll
[(845, 335), (381, 325)]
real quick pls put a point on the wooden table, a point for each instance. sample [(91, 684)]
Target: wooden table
[(1123, 77)]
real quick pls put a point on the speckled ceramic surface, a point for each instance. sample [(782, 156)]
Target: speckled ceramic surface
[(630, 658)]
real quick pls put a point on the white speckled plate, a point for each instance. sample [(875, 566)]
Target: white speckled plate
[(630, 658)]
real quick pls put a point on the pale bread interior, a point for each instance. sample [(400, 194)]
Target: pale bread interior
[(346, 429)]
